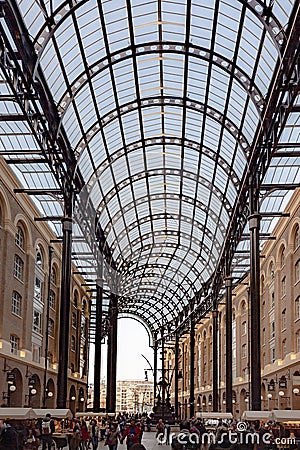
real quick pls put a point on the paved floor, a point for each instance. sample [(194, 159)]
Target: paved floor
[(149, 441)]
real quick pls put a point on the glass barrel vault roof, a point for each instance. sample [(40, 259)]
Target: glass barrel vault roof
[(160, 101)]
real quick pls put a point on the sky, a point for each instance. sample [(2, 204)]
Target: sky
[(133, 342)]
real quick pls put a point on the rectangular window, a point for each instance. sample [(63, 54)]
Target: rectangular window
[(16, 303), (38, 289), (244, 351), (18, 268), (272, 329), (298, 342), (51, 327), (273, 355), (36, 353), (14, 344), (52, 299), (73, 343), (37, 321)]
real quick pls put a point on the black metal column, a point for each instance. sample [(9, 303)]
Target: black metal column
[(98, 336), (163, 372), (228, 375), (50, 253), (192, 369), (112, 356), (65, 294), (155, 371), (255, 364), (215, 379), (176, 370)]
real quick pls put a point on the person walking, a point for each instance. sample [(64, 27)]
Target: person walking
[(113, 437), (47, 428), (8, 437), (160, 431), (131, 434), (94, 434)]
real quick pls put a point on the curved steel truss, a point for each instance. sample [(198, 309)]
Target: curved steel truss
[(155, 114)]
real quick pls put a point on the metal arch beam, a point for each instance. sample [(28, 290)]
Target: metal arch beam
[(145, 287), (264, 15), (163, 265), (175, 271), (164, 255), (142, 309), (175, 234), (168, 101), (142, 314), (154, 172), (171, 280), (157, 305), (162, 47), (137, 255), (155, 217), (148, 327), (148, 299), (188, 200)]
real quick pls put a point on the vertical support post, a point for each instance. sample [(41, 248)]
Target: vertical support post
[(192, 369), (163, 374), (155, 371), (228, 378), (50, 253), (65, 291), (215, 380), (176, 369), (112, 356), (254, 297), (98, 337)]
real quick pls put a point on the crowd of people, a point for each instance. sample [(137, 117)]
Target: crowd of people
[(129, 429)]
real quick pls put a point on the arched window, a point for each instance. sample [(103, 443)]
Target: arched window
[(39, 256), (244, 327), (283, 286), (19, 238), (297, 271), (262, 284), (73, 343), (271, 271), (282, 257), (16, 303), (74, 320), (244, 350), (283, 319), (75, 299), (297, 237), (53, 276), (297, 308), (243, 307)]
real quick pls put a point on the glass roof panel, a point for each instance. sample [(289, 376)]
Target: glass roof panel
[(160, 112)]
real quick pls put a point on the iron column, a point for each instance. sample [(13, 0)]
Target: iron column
[(98, 337), (50, 253), (192, 369), (228, 378), (255, 364), (112, 356), (215, 384), (65, 294), (176, 365), (155, 371)]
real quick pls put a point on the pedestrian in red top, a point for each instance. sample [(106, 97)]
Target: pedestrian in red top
[(85, 436), (132, 434)]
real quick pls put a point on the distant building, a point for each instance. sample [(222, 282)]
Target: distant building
[(133, 396)]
